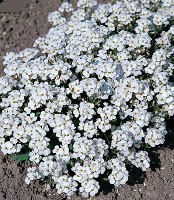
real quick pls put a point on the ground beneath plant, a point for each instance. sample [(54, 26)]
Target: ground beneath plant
[(20, 25)]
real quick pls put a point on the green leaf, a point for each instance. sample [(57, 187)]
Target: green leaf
[(28, 162), (121, 123), (147, 146), (71, 147), (20, 157), (114, 120), (94, 101), (37, 114), (105, 179)]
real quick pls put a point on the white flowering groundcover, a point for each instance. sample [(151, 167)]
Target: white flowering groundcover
[(88, 98)]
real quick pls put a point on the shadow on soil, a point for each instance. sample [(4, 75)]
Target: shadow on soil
[(137, 176)]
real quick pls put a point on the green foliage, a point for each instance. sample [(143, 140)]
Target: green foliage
[(29, 163), (147, 146), (21, 157), (71, 147), (24, 156), (105, 179), (114, 120), (38, 114)]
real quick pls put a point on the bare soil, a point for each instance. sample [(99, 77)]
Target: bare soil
[(20, 25)]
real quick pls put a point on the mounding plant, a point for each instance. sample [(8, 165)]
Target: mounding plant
[(86, 100)]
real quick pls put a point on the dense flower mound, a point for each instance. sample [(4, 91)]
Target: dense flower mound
[(91, 95)]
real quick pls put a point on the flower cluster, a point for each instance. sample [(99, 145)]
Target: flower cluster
[(89, 96)]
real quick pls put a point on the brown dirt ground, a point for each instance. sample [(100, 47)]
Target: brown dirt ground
[(19, 27)]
